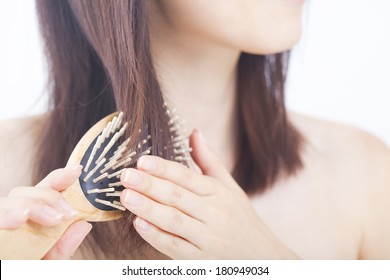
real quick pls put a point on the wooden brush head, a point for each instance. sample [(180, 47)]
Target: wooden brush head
[(104, 153), (76, 194)]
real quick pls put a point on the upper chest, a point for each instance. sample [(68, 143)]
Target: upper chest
[(312, 215)]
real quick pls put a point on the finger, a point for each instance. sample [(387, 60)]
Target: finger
[(13, 218), (38, 211), (60, 179), (168, 244), (165, 192), (67, 245), (47, 195), (207, 161), (166, 218), (43, 214), (176, 173)]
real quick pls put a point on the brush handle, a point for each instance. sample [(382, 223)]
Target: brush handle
[(30, 241), (33, 241)]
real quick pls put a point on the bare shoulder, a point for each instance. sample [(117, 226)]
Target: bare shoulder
[(19, 140), (343, 143), (359, 164)]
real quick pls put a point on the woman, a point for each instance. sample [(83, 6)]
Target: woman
[(300, 187)]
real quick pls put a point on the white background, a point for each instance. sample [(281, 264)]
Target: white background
[(278, 270), (338, 71)]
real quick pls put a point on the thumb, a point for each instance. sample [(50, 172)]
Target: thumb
[(207, 160), (67, 245)]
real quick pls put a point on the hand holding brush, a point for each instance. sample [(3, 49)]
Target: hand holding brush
[(32, 220)]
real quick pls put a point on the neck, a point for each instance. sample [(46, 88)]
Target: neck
[(199, 80)]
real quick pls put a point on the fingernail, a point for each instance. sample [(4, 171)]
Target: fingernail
[(147, 163), (142, 224), (78, 167), (132, 199), (132, 177), (50, 211), (66, 207)]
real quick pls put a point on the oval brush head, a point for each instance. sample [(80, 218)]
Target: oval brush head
[(104, 153), (110, 153), (104, 162), (105, 157)]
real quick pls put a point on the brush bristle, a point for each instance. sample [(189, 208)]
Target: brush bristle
[(109, 154)]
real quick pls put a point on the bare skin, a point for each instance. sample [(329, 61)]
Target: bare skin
[(335, 208)]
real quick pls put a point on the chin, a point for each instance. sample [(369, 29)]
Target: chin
[(275, 43)]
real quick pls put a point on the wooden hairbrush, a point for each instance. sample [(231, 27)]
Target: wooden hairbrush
[(104, 153)]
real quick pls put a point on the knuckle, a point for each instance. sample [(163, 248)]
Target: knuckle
[(48, 192), (146, 208), (18, 190), (146, 181), (34, 193), (154, 236), (161, 167), (34, 201), (175, 244), (176, 220), (211, 187), (175, 196), (60, 253), (186, 175), (30, 202), (51, 176)]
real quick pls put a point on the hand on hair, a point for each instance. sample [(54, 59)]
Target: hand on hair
[(44, 205), (187, 215)]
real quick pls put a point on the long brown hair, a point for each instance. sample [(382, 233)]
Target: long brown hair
[(100, 62)]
